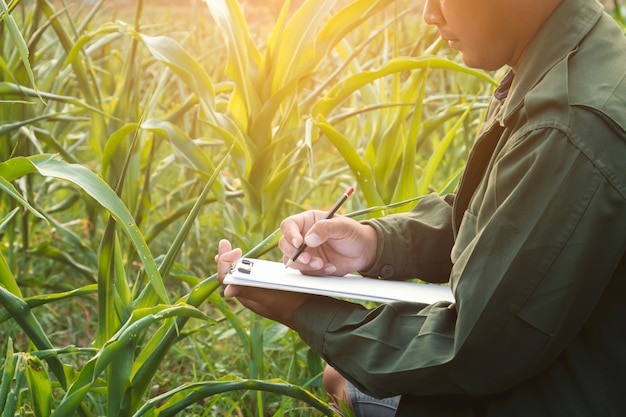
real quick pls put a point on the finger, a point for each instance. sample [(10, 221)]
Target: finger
[(335, 228), (231, 291), (225, 258), (291, 228), (224, 246), (286, 246), (313, 239), (294, 227), (317, 267)]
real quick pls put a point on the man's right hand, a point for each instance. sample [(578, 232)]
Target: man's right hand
[(335, 246)]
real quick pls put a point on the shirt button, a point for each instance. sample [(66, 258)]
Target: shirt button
[(386, 271)]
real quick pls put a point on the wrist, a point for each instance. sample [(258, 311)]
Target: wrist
[(370, 250)]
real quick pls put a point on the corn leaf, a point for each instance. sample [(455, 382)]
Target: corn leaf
[(18, 40), (7, 88), (39, 386), (243, 58), (346, 20), (98, 190), (406, 186), (8, 372), (295, 53), (343, 90), (139, 321), (186, 150), (43, 299), (6, 220), (196, 392), (7, 280), (362, 172), (23, 316), (171, 53), (435, 159)]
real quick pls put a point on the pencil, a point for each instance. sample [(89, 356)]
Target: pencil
[(330, 214)]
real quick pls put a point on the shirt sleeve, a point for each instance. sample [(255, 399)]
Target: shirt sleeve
[(534, 253), (430, 259)]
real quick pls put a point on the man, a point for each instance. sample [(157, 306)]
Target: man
[(532, 243)]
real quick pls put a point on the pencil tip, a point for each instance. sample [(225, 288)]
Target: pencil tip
[(288, 264)]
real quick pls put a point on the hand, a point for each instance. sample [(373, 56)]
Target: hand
[(275, 305), (335, 246)]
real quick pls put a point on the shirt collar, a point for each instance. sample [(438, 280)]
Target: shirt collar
[(502, 91), (559, 35)]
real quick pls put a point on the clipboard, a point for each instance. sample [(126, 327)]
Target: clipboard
[(273, 275)]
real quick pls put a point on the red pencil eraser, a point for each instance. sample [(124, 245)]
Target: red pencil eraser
[(350, 190)]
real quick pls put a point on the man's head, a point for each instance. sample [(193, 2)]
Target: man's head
[(489, 33)]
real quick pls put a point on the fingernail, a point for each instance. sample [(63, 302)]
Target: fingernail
[(315, 264), (330, 269), (312, 239)]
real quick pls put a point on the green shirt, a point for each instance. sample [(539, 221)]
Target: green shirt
[(532, 244)]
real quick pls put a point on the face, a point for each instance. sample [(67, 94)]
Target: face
[(488, 33)]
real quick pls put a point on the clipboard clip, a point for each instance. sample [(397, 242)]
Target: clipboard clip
[(243, 265)]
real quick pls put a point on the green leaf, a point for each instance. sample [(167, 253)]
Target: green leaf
[(435, 159), (172, 54), (39, 386), (243, 57), (7, 88), (6, 220), (139, 321), (186, 150), (363, 173), (43, 299), (23, 316), (12, 191), (18, 39), (100, 191), (7, 280), (201, 390), (8, 372), (295, 52), (343, 90)]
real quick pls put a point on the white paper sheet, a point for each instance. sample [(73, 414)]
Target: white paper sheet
[(274, 275)]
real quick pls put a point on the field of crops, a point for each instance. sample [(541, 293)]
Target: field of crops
[(136, 134)]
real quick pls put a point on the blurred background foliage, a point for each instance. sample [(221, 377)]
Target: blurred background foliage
[(136, 134)]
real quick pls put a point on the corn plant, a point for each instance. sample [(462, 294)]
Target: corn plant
[(379, 108)]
